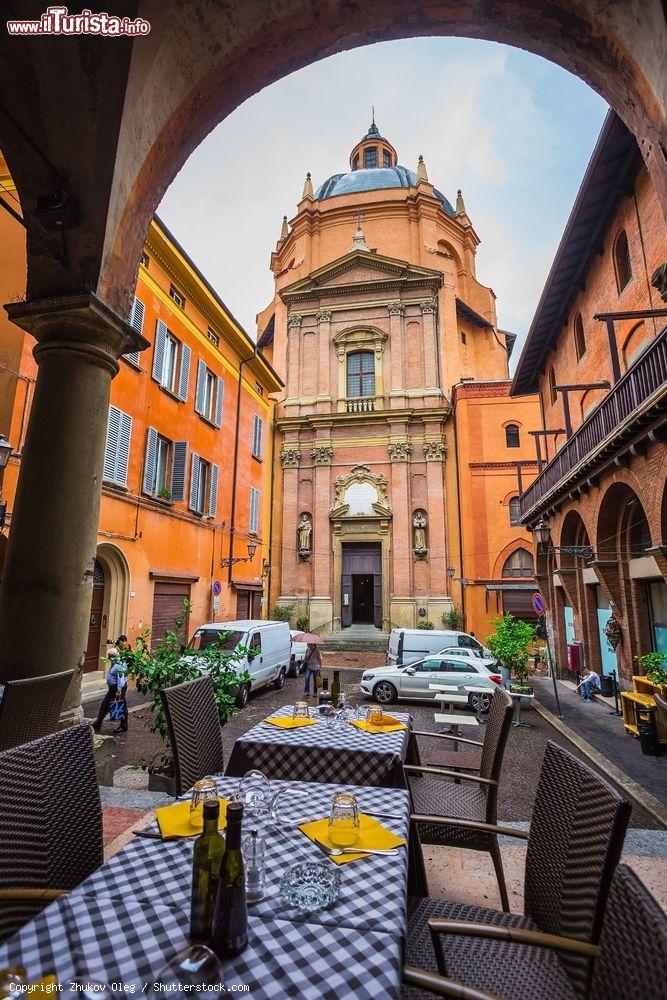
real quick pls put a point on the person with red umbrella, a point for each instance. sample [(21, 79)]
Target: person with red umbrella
[(312, 661)]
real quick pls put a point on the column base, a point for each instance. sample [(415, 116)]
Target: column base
[(320, 610)]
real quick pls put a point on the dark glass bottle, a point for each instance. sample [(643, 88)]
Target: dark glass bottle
[(230, 918), (335, 688), (207, 858), (324, 697)]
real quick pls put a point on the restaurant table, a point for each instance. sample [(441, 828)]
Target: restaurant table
[(322, 753), (129, 918), (517, 696)]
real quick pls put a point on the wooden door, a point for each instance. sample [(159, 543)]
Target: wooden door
[(92, 659), (167, 607), (256, 604), (242, 605)]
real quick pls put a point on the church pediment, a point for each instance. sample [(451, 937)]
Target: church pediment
[(360, 269)]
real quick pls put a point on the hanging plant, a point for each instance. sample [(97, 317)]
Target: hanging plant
[(613, 632)]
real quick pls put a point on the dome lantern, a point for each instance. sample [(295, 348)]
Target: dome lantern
[(373, 151)]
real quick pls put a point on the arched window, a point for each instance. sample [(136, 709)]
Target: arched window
[(512, 436), (361, 374), (520, 563), (371, 156), (515, 512), (579, 338), (553, 395), (622, 262)]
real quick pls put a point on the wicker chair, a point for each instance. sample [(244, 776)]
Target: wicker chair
[(468, 798), (50, 822), (30, 708), (630, 962), (194, 731), (575, 841)]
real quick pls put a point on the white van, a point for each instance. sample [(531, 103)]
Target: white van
[(269, 643), (409, 644)]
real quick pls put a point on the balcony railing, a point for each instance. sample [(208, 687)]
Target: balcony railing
[(360, 404), (646, 378)]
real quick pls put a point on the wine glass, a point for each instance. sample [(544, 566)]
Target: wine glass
[(300, 710), (374, 716), (343, 826), (362, 712), (203, 791)]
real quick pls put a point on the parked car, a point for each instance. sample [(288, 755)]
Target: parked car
[(268, 651), (486, 656), (406, 645), (299, 650), (411, 683)]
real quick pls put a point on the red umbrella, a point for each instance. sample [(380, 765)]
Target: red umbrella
[(310, 637)]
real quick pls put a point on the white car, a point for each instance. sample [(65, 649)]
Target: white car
[(299, 650), (411, 683), (487, 657)]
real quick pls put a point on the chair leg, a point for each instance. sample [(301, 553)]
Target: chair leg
[(500, 874)]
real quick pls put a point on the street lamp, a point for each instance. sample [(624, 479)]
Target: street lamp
[(252, 548), (5, 452), (542, 533)]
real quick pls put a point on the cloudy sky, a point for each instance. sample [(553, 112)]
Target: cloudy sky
[(513, 131)]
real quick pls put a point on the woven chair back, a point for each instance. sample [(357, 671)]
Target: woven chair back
[(194, 731), (30, 708), (576, 835), (50, 819)]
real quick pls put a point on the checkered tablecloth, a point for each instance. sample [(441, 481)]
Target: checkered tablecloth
[(126, 922), (321, 753)]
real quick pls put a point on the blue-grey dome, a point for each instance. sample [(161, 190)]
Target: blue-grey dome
[(374, 179)]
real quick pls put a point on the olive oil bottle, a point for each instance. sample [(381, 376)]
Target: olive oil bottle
[(230, 919), (207, 858)]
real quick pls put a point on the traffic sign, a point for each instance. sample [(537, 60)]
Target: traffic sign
[(538, 604), (217, 588)]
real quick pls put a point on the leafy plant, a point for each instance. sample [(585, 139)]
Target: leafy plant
[(164, 493), (282, 612), (654, 665), (303, 623), (425, 624), (166, 663), (453, 619), (511, 645)]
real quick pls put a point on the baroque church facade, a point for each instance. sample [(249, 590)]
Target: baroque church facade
[(377, 319)]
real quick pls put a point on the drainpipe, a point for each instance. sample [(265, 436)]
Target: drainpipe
[(232, 518), (458, 510), (273, 487)]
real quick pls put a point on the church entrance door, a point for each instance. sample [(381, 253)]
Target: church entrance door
[(362, 584)]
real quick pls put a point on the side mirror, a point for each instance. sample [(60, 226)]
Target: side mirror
[(410, 671)]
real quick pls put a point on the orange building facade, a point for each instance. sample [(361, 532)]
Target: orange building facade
[(386, 472), (188, 459)]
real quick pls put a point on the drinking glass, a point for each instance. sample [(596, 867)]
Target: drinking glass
[(374, 716), (254, 791), (343, 825), (362, 712), (204, 790), (300, 710)]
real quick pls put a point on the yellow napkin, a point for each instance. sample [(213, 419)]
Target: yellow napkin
[(371, 834), (386, 727), (289, 723), (175, 821)]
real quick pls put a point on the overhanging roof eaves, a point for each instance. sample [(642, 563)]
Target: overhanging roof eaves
[(467, 312), (614, 161)]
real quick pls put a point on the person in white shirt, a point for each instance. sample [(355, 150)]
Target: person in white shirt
[(588, 681)]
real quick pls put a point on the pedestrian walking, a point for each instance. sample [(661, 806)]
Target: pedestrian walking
[(312, 662), (118, 654), (587, 683)]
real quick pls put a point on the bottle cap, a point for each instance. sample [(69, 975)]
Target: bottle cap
[(234, 812), (211, 808)]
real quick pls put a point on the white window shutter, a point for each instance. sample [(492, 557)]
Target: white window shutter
[(158, 351), (194, 483), (137, 324), (219, 395), (184, 375), (149, 462), (257, 436), (254, 510), (179, 463), (199, 390), (124, 435), (213, 492), (111, 446)]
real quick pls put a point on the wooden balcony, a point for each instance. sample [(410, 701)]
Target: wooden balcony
[(637, 397)]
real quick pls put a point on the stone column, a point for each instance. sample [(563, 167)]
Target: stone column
[(48, 572), (400, 452), (323, 318), (397, 377), (434, 454), (290, 457), (429, 309), (321, 603)]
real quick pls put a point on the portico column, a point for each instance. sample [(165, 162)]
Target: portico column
[(48, 572), (397, 382), (429, 308)]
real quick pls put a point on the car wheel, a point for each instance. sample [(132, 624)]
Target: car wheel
[(480, 702), (242, 696), (385, 693), (280, 680)]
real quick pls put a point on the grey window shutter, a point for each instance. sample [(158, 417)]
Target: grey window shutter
[(158, 351), (149, 463), (194, 483), (184, 376), (124, 435), (111, 446), (199, 391), (257, 437), (219, 396), (137, 323), (213, 492), (178, 470)]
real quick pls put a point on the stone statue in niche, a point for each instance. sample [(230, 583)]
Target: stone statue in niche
[(419, 533), (304, 533)]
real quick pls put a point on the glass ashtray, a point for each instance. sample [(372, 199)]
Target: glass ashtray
[(310, 886)]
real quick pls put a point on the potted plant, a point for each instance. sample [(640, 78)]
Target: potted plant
[(166, 663), (511, 644), (654, 666), (164, 493)]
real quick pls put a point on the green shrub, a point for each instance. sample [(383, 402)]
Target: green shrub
[(303, 623), (453, 619), (511, 645), (654, 666), (282, 612), (425, 624)]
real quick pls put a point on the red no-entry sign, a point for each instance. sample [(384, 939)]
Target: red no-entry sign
[(538, 604)]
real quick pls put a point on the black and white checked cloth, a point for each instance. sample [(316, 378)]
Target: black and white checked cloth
[(321, 753), (129, 918)]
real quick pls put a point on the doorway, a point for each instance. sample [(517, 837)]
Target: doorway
[(92, 658), (362, 598), (362, 584)]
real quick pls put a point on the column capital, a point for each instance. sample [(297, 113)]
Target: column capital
[(435, 451), (323, 315), (294, 319), (429, 305), (290, 458), (81, 324), (396, 308), (321, 454), (399, 451)]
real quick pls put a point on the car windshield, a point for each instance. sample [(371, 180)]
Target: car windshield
[(203, 638)]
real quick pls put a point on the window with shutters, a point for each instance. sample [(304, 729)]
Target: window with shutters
[(137, 324), (203, 486), (209, 394), (164, 467), (176, 296), (171, 362), (361, 374), (257, 432), (253, 526), (162, 474), (515, 512), (117, 447)]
